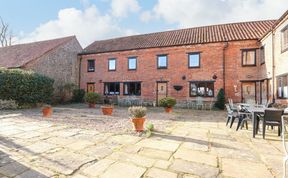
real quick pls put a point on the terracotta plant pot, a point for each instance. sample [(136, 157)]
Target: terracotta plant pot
[(92, 105), (138, 124), (107, 110), (47, 111), (168, 109)]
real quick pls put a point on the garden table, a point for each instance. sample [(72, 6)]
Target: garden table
[(255, 120)]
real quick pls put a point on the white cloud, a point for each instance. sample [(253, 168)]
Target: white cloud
[(121, 8), (88, 25), (187, 13), (146, 16)]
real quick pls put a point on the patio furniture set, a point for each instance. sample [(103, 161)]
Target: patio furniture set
[(255, 113), (259, 113)]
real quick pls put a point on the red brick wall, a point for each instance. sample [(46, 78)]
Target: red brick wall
[(147, 72), (235, 72)]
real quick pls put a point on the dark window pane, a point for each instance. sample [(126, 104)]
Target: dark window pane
[(193, 89), (280, 85), (209, 89), (125, 89), (205, 89), (285, 39), (249, 57), (201, 89), (112, 88), (132, 88), (91, 66), (262, 55)]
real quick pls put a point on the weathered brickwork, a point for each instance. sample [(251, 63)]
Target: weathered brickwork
[(211, 62)]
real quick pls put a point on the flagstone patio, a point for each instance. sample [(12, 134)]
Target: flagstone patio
[(192, 144)]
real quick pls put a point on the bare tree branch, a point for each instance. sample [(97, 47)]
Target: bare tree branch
[(5, 35)]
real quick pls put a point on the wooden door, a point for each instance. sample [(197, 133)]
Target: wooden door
[(161, 90), (90, 87), (249, 92)]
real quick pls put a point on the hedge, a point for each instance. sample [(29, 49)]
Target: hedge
[(25, 87)]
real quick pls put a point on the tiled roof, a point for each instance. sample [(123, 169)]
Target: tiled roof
[(197, 35), (18, 55)]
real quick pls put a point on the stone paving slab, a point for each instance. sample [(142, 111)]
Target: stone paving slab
[(155, 153), (123, 170), (240, 168), (98, 168), (157, 173), (196, 156), (194, 168)]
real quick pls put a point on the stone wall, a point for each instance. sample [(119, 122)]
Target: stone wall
[(61, 64)]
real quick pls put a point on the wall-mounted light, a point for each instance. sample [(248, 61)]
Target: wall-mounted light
[(100, 81), (235, 89), (183, 77), (214, 77)]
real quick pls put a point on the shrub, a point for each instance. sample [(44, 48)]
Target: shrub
[(8, 104), (167, 102), (220, 103), (78, 95), (137, 111), (65, 92), (92, 97), (25, 87), (150, 126)]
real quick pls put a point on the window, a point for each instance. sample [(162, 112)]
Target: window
[(132, 88), (111, 88), (112, 64), (249, 57), (282, 85), (132, 63), (262, 55), (202, 88), (162, 62), (193, 60), (284, 39), (91, 65)]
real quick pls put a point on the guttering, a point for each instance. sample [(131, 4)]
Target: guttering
[(224, 66), (273, 65), (79, 77)]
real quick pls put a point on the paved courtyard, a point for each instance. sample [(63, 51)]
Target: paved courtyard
[(186, 144)]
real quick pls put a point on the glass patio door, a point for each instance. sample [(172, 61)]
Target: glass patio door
[(248, 92)]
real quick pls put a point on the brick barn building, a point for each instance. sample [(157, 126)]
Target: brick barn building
[(185, 64)]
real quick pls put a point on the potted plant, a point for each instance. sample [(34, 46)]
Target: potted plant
[(167, 103), (47, 110), (91, 98), (107, 109), (137, 115)]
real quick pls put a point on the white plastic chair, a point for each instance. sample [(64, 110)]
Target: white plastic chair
[(199, 102), (285, 158)]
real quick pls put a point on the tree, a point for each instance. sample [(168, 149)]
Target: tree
[(220, 103), (5, 34)]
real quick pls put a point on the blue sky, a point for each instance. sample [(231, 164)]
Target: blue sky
[(90, 20)]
